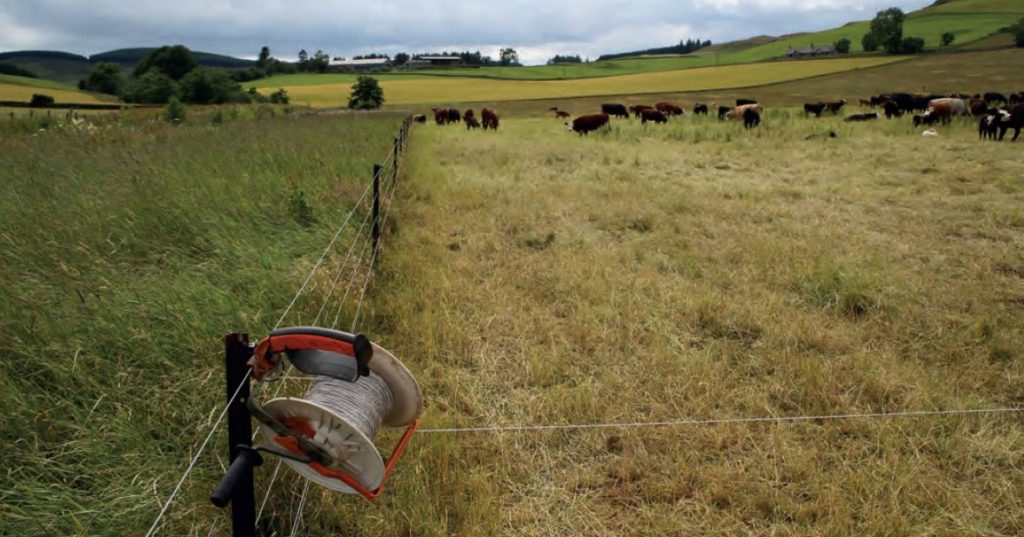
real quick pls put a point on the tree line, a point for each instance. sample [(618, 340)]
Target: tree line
[(684, 47)]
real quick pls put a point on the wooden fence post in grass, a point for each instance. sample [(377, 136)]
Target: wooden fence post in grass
[(394, 166)]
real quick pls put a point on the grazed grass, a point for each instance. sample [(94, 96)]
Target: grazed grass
[(700, 271), (128, 251), (62, 94)]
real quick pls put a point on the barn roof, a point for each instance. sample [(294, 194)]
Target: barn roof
[(440, 58), (365, 62)]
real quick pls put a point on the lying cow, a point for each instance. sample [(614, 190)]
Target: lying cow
[(617, 110), (585, 124), (862, 117), (656, 116)]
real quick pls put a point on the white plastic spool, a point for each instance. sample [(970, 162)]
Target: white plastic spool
[(346, 436)]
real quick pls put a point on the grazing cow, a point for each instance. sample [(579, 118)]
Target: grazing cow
[(743, 102), (939, 111), (591, 122), (814, 108), (440, 116), (722, 111), (1016, 98), (988, 126), (862, 117), (1015, 121), (636, 109), (471, 122), (561, 114), (669, 109), (978, 107), (468, 114), (490, 119), (419, 118), (737, 113), (553, 109), (835, 106), (892, 109), (751, 117), (867, 103), (993, 97), (924, 120), (454, 116), (700, 109), (957, 107), (656, 116), (617, 110)]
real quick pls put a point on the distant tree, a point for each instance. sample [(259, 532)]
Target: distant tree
[(264, 58), (154, 87), (842, 46), (175, 111), (105, 78), (508, 56), (400, 59), (1018, 32), (912, 45), (210, 86), (366, 94), (303, 60), (557, 59), (948, 38), (38, 99), (174, 62), (320, 62), (869, 42), (887, 27)]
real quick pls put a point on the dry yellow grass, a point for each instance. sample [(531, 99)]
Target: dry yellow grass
[(16, 92), (447, 89), (700, 271)]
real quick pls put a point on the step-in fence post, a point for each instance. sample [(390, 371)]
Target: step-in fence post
[(237, 485), (376, 207), (394, 167)]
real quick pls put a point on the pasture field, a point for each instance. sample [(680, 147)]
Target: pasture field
[(696, 270), (128, 251), (400, 92), (979, 6), (19, 88)]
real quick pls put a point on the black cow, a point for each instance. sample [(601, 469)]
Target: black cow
[(700, 109), (741, 102), (722, 111), (617, 110), (454, 116), (862, 117), (814, 108), (994, 97), (988, 126), (751, 118), (1015, 121), (892, 109)]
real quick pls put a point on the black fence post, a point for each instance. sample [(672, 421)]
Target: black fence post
[(376, 207), (237, 352)]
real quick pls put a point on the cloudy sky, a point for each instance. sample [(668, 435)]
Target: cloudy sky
[(537, 29)]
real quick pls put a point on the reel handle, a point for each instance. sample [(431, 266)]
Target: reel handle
[(246, 459)]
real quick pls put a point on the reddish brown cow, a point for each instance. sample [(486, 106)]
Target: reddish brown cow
[(490, 119), (835, 106), (939, 111), (419, 118), (591, 122), (440, 116), (638, 108), (867, 103), (669, 109), (471, 122), (656, 116), (561, 114)]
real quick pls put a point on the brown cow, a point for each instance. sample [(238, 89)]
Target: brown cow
[(835, 106), (490, 119), (636, 109), (867, 103), (591, 122), (656, 116), (938, 111), (440, 116), (471, 122), (669, 109), (419, 118), (561, 114)]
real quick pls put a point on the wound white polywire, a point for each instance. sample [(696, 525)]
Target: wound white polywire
[(363, 403)]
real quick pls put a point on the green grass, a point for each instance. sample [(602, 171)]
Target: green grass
[(19, 88), (128, 251), (979, 6), (696, 270)]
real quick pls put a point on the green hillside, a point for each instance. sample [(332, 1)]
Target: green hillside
[(131, 56)]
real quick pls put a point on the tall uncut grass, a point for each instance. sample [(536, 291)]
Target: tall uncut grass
[(128, 251)]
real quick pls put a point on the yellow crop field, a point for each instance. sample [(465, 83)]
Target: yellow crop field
[(17, 92), (449, 89)]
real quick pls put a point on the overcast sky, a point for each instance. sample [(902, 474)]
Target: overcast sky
[(537, 29)]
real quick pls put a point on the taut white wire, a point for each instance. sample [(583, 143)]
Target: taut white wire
[(675, 423), (298, 514)]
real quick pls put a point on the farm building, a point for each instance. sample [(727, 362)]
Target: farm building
[(811, 51), (358, 65)]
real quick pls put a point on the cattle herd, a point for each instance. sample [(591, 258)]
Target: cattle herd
[(996, 113)]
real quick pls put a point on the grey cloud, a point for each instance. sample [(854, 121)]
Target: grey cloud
[(537, 27)]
